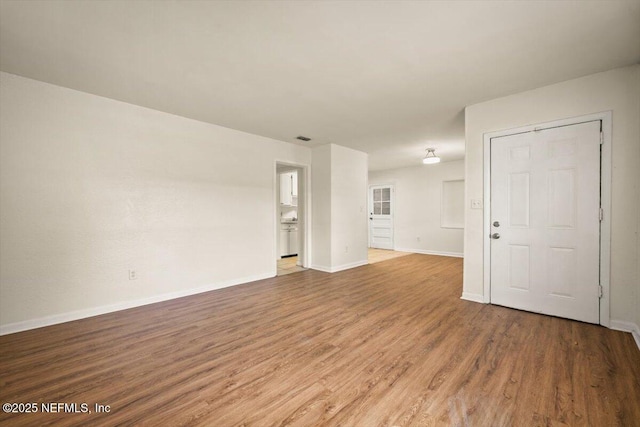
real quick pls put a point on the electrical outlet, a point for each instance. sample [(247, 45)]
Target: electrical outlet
[(133, 275), (418, 239), (346, 249)]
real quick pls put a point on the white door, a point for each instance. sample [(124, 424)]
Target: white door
[(381, 216), (545, 221)]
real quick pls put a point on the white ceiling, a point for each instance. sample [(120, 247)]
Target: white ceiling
[(386, 77)]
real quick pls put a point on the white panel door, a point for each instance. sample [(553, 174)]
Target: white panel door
[(381, 216), (545, 224)]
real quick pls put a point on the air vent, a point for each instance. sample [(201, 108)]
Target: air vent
[(303, 138)]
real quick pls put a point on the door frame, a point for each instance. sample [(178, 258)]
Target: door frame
[(304, 212), (605, 201), (393, 215)]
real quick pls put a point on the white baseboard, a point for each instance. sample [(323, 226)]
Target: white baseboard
[(321, 268), (473, 297), (96, 311), (426, 252), (339, 267), (622, 325)]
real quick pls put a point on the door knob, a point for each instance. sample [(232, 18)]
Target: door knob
[(495, 236), (496, 223)]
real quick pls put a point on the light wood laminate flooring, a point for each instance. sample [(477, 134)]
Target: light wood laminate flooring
[(378, 255), (289, 265), (386, 344)]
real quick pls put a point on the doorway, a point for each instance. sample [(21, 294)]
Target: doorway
[(291, 224), (544, 220), (381, 206)]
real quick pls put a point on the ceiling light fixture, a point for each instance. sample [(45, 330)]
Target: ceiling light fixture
[(431, 157), (303, 138)]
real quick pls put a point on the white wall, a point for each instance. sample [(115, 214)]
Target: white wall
[(92, 187), (417, 212), (637, 109), (339, 176), (348, 207), (616, 90), (321, 207)]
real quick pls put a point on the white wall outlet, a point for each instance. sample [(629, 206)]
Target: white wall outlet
[(418, 239), (476, 203), (346, 249), (133, 275)]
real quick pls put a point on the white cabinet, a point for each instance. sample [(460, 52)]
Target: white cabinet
[(286, 197), (293, 242), (289, 189), (294, 185), (284, 242), (288, 240)]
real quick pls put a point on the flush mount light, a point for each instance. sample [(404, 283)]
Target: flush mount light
[(431, 157), (303, 138)]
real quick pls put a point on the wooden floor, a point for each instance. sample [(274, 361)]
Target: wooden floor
[(387, 344), (377, 255), (289, 265)]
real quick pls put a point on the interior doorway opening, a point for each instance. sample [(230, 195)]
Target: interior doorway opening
[(291, 223)]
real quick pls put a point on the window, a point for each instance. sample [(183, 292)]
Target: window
[(382, 201)]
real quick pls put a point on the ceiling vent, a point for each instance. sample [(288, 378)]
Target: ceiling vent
[(303, 138)]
